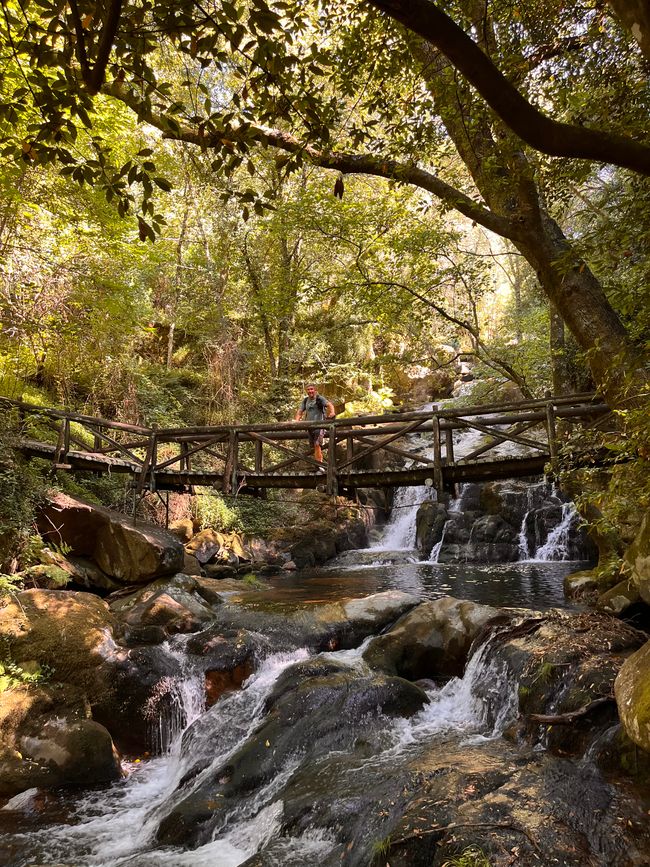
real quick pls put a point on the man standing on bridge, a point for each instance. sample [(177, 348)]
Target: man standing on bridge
[(315, 407)]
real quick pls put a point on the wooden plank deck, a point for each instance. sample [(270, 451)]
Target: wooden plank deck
[(262, 456)]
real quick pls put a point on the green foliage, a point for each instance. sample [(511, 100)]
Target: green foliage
[(21, 488), (473, 856), (13, 675), (254, 516), (10, 584)]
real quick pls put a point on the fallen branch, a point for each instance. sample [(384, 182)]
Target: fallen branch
[(561, 719), (443, 829)]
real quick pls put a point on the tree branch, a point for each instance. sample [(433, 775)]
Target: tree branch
[(105, 44), (361, 164), (572, 716), (528, 122)]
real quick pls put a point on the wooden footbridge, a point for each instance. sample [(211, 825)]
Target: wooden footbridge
[(252, 458)]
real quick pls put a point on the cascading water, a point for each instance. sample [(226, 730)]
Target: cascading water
[(176, 702), (556, 546), (116, 826), (399, 533)]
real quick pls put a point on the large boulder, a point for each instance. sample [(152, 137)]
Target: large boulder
[(165, 607), (47, 736), (638, 558), (126, 552), (47, 740), (314, 710), (68, 633), (276, 627), (632, 690), (564, 665), (432, 640)]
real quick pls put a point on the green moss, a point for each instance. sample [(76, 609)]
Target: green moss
[(524, 693), (253, 582), (470, 857), (381, 849), (545, 672)]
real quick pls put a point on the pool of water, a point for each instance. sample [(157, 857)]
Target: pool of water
[(525, 584)]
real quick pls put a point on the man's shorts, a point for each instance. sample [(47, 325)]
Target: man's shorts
[(316, 436)]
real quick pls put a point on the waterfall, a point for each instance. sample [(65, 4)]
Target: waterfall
[(116, 825), (556, 545), (176, 703), (399, 533)]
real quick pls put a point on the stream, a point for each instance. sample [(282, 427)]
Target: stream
[(316, 760)]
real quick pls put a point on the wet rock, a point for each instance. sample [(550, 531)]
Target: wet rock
[(175, 604), (430, 522), (307, 721), (432, 640), (632, 688), (583, 583), (327, 626), (139, 695), (219, 682), (226, 656), (562, 664), (514, 809), (124, 552)]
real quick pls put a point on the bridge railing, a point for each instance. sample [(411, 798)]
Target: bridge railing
[(277, 454)]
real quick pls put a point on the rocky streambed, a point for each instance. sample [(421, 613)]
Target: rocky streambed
[(360, 715), (381, 729)]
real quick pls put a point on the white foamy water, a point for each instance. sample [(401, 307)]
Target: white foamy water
[(116, 826), (399, 533), (556, 545)]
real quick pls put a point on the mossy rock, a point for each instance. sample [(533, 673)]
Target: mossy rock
[(632, 690), (619, 598)]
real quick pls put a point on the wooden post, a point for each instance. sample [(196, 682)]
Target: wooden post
[(449, 447), (349, 451), (154, 461), (63, 446), (437, 457), (149, 461), (226, 482), (235, 463), (551, 432), (259, 455), (185, 458), (332, 480)]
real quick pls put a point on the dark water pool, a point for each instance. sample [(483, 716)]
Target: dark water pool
[(535, 585)]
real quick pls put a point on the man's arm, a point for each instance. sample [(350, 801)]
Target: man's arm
[(330, 412)]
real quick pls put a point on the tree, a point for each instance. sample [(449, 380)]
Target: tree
[(246, 86)]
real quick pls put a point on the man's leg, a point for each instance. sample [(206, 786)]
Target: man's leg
[(318, 451)]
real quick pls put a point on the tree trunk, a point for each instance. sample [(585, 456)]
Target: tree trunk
[(505, 179)]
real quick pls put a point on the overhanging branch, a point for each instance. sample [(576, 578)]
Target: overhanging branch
[(529, 123), (361, 164)]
